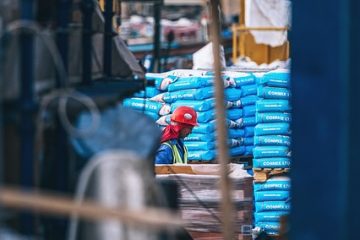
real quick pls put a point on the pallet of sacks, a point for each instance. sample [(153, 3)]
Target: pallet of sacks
[(272, 153), (200, 198)]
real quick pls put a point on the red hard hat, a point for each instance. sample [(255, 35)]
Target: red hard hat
[(185, 115)]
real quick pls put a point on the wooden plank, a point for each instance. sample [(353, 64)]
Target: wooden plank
[(173, 169)]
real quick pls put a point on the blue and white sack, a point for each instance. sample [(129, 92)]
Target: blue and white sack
[(236, 133), (234, 114), (272, 129), (246, 121), (249, 100), (240, 78), (149, 106), (249, 110), (271, 162), (189, 94), (273, 184), (249, 90), (198, 106), (272, 140), (207, 116), (232, 94), (272, 206), (276, 78), (200, 137), (273, 93), (199, 146), (201, 155), (271, 151), (269, 216), (205, 128), (271, 105), (237, 151), (248, 131), (271, 228), (249, 141), (194, 82), (263, 196), (249, 150), (272, 117)]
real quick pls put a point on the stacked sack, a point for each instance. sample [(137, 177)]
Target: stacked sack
[(272, 145), (272, 201), (195, 89), (247, 83), (142, 100)]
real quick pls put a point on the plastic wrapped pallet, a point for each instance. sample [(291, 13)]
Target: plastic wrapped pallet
[(200, 197)]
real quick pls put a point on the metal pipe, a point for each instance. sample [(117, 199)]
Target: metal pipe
[(108, 38), (227, 207), (87, 7)]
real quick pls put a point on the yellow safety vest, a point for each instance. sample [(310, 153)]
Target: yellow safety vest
[(176, 154)]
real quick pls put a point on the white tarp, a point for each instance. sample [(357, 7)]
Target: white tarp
[(268, 13)]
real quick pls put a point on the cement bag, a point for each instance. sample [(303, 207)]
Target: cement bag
[(199, 106), (189, 94), (249, 150), (231, 124), (269, 216), (164, 120), (273, 93), (249, 100), (237, 151), (207, 116), (249, 90), (236, 133), (148, 93), (249, 110), (271, 151), (272, 140), (272, 117), (271, 228), (234, 114), (147, 105), (160, 80), (199, 146), (272, 196), (276, 78), (248, 141), (272, 206), (273, 184), (201, 137), (183, 83), (248, 131), (269, 105), (206, 128), (201, 155), (246, 121), (234, 104), (275, 162), (272, 129), (186, 73), (235, 142), (240, 78), (232, 94)]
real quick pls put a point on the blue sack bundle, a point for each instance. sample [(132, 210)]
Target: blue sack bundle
[(276, 78), (206, 128), (199, 106), (201, 137), (271, 117), (272, 129), (201, 155), (234, 113), (193, 82), (249, 90), (249, 110), (249, 100), (272, 196), (272, 162), (142, 104), (232, 94), (271, 151), (189, 94), (272, 140), (273, 92), (236, 133), (202, 146), (273, 184), (272, 206), (271, 105), (269, 216), (246, 121)]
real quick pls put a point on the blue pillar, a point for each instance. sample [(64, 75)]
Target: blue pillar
[(325, 85)]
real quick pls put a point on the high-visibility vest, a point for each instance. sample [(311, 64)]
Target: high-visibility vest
[(176, 154)]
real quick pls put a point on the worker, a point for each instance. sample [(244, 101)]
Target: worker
[(172, 148)]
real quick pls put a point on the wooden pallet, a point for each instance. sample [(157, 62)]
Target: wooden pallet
[(263, 174)]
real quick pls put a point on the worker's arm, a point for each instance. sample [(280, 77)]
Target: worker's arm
[(164, 155)]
